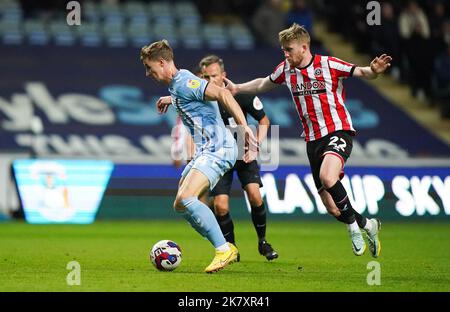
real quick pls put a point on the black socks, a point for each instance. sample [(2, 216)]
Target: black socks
[(348, 213), (341, 200), (259, 221), (227, 227), (359, 219)]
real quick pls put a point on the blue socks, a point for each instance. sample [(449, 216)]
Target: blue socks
[(203, 220)]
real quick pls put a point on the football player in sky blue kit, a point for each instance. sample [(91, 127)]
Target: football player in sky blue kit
[(216, 149)]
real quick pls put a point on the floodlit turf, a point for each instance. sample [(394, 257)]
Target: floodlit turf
[(314, 256)]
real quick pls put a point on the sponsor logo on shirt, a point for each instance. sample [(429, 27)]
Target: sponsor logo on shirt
[(308, 88), (193, 83)]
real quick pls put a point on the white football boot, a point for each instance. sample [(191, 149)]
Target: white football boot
[(372, 237), (358, 243)]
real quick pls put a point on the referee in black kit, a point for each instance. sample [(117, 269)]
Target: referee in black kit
[(213, 70)]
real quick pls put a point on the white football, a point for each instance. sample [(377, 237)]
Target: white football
[(166, 255)]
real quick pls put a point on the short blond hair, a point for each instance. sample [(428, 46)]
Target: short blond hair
[(157, 50), (295, 32)]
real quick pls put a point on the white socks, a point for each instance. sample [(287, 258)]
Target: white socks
[(223, 247), (353, 227), (368, 226)]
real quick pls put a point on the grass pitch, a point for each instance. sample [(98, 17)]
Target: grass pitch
[(314, 256)]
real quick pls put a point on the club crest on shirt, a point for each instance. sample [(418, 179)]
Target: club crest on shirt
[(193, 83), (318, 72)]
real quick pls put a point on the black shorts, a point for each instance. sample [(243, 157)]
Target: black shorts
[(247, 173), (339, 143)]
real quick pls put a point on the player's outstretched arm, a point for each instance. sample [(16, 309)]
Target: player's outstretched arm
[(377, 66), (227, 100), (224, 96), (258, 85)]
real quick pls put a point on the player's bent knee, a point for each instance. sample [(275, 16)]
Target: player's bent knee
[(221, 210), (327, 180), (255, 202), (178, 207), (180, 203), (254, 199)]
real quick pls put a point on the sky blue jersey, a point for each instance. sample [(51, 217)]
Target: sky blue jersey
[(200, 116)]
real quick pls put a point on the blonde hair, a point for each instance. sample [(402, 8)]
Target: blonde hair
[(212, 59), (295, 32), (157, 50)]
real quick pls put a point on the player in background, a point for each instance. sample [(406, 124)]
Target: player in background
[(213, 70), (316, 85), (216, 149)]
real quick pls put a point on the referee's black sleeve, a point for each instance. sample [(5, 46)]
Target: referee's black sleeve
[(254, 108)]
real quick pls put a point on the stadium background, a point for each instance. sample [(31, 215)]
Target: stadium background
[(74, 93)]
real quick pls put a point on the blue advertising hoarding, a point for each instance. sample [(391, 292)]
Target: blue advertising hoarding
[(72, 191), (396, 193), (97, 102), (61, 191)]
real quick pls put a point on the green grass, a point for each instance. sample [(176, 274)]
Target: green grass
[(314, 256)]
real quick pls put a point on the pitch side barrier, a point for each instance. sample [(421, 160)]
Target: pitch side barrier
[(417, 190), (81, 191)]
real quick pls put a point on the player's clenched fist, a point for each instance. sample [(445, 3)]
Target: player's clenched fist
[(163, 104)]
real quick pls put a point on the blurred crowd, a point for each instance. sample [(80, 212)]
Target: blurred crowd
[(415, 33), (265, 17)]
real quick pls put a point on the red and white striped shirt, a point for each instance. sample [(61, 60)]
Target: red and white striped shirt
[(318, 94)]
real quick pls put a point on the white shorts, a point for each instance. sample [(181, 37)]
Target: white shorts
[(213, 164)]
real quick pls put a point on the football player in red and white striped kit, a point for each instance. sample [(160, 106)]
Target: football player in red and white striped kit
[(316, 85)]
